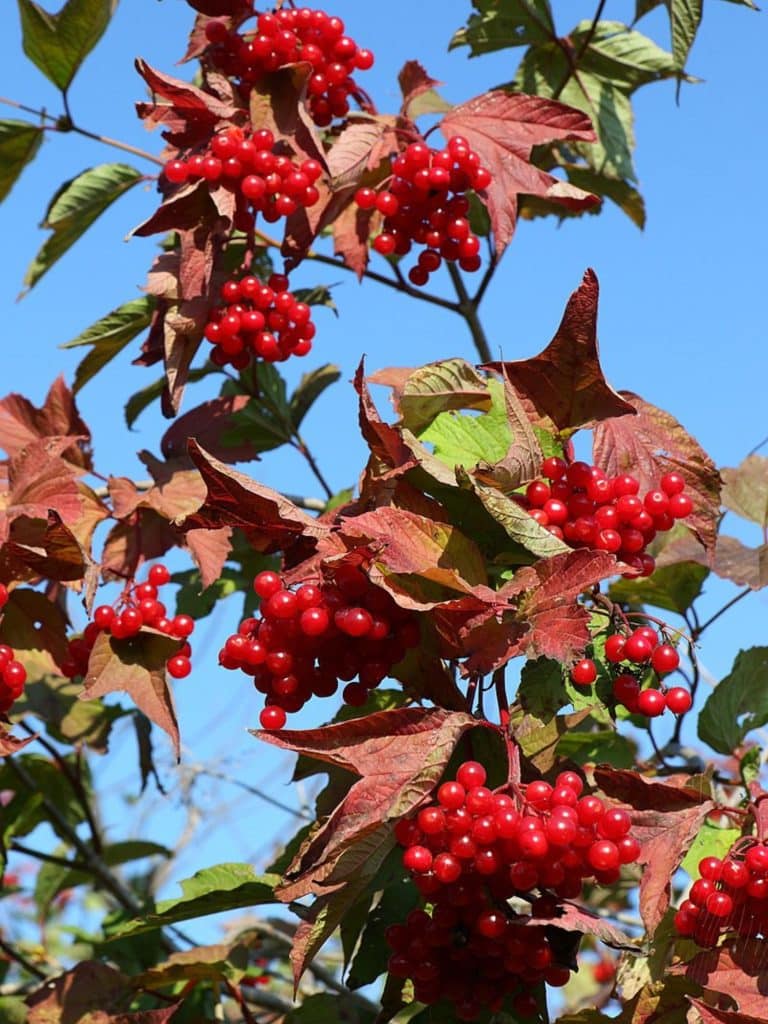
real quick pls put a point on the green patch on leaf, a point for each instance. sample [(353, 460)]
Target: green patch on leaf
[(738, 704), (76, 205), (710, 842), (602, 745), (309, 389), (209, 891), (19, 142), (501, 26), (464, 439)]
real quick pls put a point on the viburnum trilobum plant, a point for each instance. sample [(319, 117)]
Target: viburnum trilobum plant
[(477, 639)]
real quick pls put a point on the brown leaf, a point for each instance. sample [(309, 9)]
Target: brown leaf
[(565, 381), (10, 744), (207, 423), (522, 461), (48, 548), (399, 754), (271, 521), (384, 441), (352, 230), (420, 394), (745, 489), (653, 443), (191, 115), (737, 970), (36, 628), (277, 102), (353, 150), (571, 917), (711, 1015), (40, 479), (22, 423), (183, 210), (414, 80), (732, 560), (136, 666), (503, 128), (674, 794), (210, 549)]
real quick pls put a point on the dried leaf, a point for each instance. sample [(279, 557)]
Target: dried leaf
[(21, 423)]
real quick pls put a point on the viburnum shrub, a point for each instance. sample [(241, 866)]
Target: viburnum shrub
[(469, 649)]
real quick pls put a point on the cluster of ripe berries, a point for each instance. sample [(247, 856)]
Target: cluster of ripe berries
[(583, 507), (142, 608), (644, 651), (425, 203), (285, 37), (13, 675), (308, 639), (730, 896), (472, 849), (264, 182), (258, 321)]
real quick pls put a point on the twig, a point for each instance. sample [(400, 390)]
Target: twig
[(468, 310), (485, 281), (300, 445), (21, 960), (304, 815), (268, 1001), (699, 629), (49, 858), (66, 124)]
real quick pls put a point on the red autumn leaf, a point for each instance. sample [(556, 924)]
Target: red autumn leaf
[(272, 522), (503, 128), (565, 381), (399, 756), (674, 794), (352, 230), (210, 550), (384, 441), (190, 114), (10, 744), (183, 210), (571, 917), (360, 147), (47, 548), (547, 601), (712, 1015), (35, 627), (278, 103), (414, 80), (207, 423), (142, 537), (21, 423), (737, 970), (217, 8), (653, 443), (732, 560), (92, 992), (136, 666)]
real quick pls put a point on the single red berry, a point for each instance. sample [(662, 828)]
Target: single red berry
[(680, 506), (451, 795), (672, 483), (103, 616), (638, 648), (554, 468), (417, 859), (471, 774), (282, 604), (603, 855), (267, 583), (179, 666), (719, 904), (272, 718), (651, 703), (679, 700), (584, 672), (182, 626)]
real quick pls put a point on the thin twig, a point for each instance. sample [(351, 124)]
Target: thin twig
[(468, 310), (49, 858), (485, 281), (209, 773), (698, 630), (301, 446), (21, 960)]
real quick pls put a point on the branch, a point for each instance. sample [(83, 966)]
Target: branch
[(301, 446), (698, 630), (21, 960), (66, 124), (468, 309), (49, 858)]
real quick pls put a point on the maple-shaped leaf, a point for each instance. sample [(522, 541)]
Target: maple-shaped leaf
[(565, 381), (271, 521), (666, 820), (546, 595), (136, 666), (21, 423), (399, 755), (503, 128), (652, 443), (278, 103), (737, 970), (189, 114), (10, 744), (36, 628)]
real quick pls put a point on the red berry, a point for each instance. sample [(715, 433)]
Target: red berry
[(179, 666), (182, 626), (451, 795), (272, 718), (471, 774), (651, 703), (584, 672), (672, 483), (103, 616), (679, 700), (638, 648), (603, 855)]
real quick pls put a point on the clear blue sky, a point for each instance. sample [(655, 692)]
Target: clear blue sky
[(682, 315)]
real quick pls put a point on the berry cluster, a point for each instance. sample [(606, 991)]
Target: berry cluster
[(285, 37), (139, 608), (555, 840), (13, 675), (265, 182), (730, 896), (258, 321), (306, 640), (425, 203), (633, 656), (582, 506), (475, 956), (469, 852)]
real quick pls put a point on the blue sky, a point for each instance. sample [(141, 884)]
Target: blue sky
[(682, 315)]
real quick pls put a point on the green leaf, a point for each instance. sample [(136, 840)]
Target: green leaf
[(371, 956), (327, 1008), (110, 335), (19, 142), (59, 43), (137, 403), (603, 745), (750, 766), (738, 704), (209, 891), (309, 389), (265, 422), (76, 205), (13, 1010), (624, 195), (672, 587), (463, 439), (710, 842), (320, 295), (684, 21), (745, 489), (497, 27), (192, 600)]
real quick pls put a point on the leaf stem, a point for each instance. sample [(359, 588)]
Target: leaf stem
[(300, 445), (468, 309), (66, 124)]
